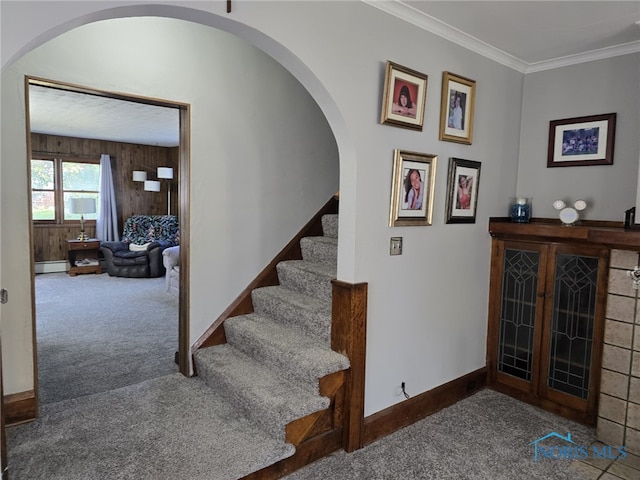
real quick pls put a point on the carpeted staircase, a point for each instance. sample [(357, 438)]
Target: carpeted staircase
[(274, 358)]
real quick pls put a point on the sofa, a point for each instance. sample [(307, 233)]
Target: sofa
[(139, 254), (171, 262)]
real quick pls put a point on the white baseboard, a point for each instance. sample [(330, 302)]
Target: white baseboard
[(51, 267)]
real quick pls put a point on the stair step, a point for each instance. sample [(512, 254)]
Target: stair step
[(268, 399), (299, 357), (310, 278), (320, 249), (293, 308), (330, 225)]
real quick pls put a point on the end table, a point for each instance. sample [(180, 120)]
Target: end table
[(83, 256)]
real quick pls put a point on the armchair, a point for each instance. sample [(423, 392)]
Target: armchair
[(171, 262), (139, 254)]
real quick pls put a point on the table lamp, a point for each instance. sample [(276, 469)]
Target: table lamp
[(83, 205)]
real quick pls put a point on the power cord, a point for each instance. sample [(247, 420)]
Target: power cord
[(404, 392)]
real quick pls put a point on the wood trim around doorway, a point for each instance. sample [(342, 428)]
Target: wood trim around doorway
[(19, 407)]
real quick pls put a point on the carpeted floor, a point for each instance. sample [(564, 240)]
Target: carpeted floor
[(484, 437), (167, 428), (178, 428), (115, 425), (96, 333)]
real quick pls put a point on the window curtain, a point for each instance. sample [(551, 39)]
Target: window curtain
[(107, 221)]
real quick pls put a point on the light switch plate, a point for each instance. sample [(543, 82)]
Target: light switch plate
[(395, 246)]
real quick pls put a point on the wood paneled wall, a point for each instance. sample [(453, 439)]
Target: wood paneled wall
[(131, 198)]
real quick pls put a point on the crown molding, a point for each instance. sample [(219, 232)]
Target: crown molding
[(437, 27), (608, 52)]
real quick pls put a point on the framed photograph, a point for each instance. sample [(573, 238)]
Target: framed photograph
[(405, 93), (412, 189), (582, 141), (456, 108), (463, 182)]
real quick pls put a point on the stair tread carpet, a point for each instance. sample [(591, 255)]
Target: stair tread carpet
[(311, 278), (294, 308), (269, 399), (298, 356), (319, 249)]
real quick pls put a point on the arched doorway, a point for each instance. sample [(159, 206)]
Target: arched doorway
[(186, 356)]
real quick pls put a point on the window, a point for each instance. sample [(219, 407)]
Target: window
[(55, 181)]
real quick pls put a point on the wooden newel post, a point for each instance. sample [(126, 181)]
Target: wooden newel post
[(348, 336)]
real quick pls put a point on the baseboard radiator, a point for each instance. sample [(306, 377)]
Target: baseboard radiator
[(51, 267)]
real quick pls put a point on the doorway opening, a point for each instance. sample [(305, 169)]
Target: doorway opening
[(137, 156)]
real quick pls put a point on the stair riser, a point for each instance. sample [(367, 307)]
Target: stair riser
[(255, 348), (229, 383), (330, 226), (319, 251), (310, 283), (315, 322), (229, 390)]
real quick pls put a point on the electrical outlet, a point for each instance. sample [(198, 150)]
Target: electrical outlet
[(395, 247)]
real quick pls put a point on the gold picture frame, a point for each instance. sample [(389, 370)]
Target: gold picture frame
[(457, 108), (404, 99), (412, 189)]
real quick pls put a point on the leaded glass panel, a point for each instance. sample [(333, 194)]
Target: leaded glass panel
[(518, 312), (573, 319)]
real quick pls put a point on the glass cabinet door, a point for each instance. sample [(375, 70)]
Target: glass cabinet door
[(573, 338), (572, 324), (519, 310)]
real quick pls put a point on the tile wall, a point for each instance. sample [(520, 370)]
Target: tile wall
[(619, 408)]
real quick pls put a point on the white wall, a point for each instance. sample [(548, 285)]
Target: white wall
[(594, 88), (263, 159), (427, 308)]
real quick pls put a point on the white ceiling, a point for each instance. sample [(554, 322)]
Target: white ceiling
[(527, 36), (73, 114)]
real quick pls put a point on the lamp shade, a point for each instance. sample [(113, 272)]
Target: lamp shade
[(83, 205), (165, 172), (139, 176), (152, 185)]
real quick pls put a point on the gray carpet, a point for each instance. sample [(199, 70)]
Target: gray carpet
[(169, 428), (483, 437), (274, 357), (104, 337), (178, 428), (96, 333)]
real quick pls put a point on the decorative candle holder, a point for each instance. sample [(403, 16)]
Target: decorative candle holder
[(520, 209)]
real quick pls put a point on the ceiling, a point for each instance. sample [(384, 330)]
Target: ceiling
[(73, 114), (527, 36)]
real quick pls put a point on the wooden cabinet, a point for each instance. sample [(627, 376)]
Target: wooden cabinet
[(546, 322)]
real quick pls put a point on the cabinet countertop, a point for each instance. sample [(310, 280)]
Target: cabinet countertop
[(609, 234)]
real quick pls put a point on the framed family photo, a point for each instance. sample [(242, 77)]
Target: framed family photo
[(463, 181), (405, 93), (412, 189), (456, 108), (582, 141)]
